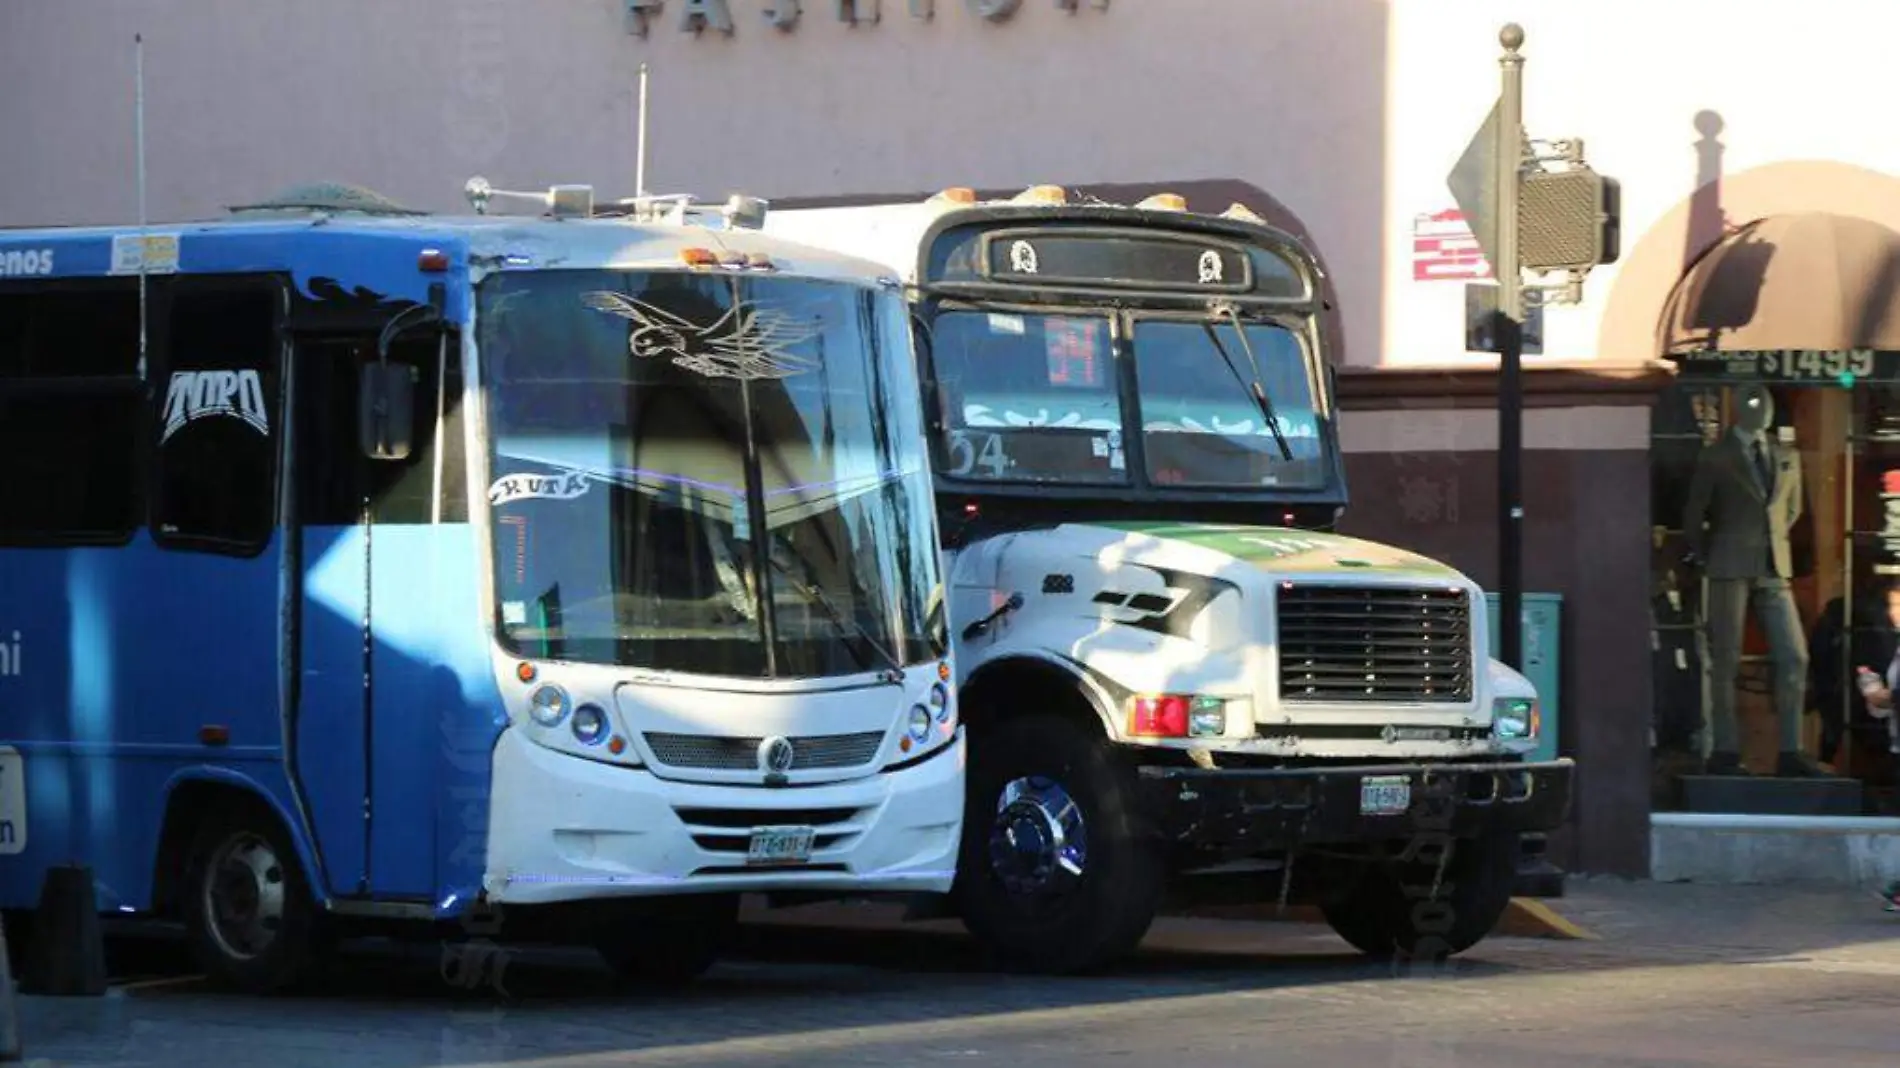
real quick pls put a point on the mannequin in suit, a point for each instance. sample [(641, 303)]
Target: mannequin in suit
[(1747, 490)]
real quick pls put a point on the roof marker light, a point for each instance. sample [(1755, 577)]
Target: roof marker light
[(698, 257), (1164, 202), (957, 194), (1242, 212), (1042, 194)]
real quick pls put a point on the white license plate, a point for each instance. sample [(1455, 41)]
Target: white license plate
[(1385, 795), (780, 845)]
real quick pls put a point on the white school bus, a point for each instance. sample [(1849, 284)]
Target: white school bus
[(1173, 674)]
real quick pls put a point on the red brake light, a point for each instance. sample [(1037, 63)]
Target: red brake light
[(433, 260), (1162, 716)]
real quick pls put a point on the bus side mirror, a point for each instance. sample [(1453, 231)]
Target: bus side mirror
[(386, 411)]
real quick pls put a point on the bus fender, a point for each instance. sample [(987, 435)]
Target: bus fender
[(1047, 679), (315, 876)]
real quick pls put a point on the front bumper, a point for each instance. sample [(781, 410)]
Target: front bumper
[(566, 829), (1280, 808)]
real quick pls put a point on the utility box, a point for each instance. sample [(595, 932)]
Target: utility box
[(1543, 632)]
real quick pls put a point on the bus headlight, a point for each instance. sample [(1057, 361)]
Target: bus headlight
[(1516, 719), (590, 724), (919, 727), (940, 700), (548, 705)]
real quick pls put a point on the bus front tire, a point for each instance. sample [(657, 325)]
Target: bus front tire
[(1053, 875), (1386, 909), (248, 912), (656, 943)]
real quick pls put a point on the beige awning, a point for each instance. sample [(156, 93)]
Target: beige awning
[(1807, 281)]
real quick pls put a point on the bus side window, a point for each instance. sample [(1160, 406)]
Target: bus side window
[(333, 477), (71, 413), (219, 421)]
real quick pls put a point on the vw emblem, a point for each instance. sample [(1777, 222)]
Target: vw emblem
[(776, 755)]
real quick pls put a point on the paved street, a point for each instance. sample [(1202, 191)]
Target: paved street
[(1678, 976)]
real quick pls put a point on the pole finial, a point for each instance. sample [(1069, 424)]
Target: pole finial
[(1511, 37)]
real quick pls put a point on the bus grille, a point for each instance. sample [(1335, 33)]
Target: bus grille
[(814, 751), (1367, 644)]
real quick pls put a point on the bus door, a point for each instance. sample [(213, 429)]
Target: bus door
[(386, 580)]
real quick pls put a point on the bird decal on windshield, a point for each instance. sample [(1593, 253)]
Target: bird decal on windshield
[(746, 342)]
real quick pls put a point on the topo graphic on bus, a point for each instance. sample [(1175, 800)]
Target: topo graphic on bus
[(195, 395)]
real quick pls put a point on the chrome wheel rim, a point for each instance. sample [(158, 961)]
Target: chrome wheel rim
[(243, 896), (1039, 840)]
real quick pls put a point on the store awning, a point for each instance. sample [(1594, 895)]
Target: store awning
[(1789, 298)]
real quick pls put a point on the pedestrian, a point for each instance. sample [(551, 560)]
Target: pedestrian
[(1877, 689)]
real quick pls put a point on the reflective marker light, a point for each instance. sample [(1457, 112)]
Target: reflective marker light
[(524, 671), (1042, 194), (1516, 718), (1165, 716), (548, 705), (590, 724), (1174, 715)]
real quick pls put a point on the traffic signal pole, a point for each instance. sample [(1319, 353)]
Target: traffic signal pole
[(1509, 332)]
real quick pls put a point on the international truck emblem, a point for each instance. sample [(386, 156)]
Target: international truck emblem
[(775, 758), (1393, 735)]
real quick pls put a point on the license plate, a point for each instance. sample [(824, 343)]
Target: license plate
[(780, 845), (1385, 795)]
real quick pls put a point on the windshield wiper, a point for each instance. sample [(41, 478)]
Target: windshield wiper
[(843, 623), (1254, 389)]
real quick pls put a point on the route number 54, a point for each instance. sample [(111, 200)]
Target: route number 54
[(970, 451)]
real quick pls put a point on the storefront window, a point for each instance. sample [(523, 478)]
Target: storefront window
[(1793, 622)]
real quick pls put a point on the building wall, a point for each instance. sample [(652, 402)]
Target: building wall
[(1350, 112), (1424, 474)]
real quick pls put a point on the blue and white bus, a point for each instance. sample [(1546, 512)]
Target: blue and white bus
[(361, 566)]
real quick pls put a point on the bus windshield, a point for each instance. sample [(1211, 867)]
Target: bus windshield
[(710, 474), (1040, 398)]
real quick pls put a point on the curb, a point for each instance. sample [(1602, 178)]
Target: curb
[(1524, 918)]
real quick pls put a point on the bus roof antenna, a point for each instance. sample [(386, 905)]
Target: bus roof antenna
[(640, 148)]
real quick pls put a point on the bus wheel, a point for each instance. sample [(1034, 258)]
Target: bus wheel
[(1053, 875), (248, 910), (665, 942), (1386, 909)]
